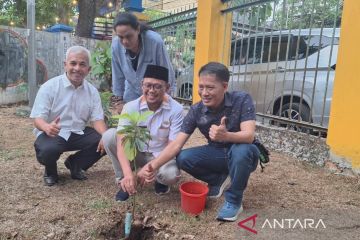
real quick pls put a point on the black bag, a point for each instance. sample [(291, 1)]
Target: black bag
[(264, 156)]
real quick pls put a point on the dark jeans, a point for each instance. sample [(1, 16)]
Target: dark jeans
[(48, 150), (212, 164)]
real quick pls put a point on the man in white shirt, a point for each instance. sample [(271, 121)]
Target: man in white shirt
[(164, 124), (62, 108)]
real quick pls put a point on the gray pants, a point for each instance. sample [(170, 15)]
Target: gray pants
[(167, 174)]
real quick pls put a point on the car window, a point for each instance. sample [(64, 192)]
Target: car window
[(316, 43), (276, 48), (279, 48), (239, 51), (246, 51), (265, 48)]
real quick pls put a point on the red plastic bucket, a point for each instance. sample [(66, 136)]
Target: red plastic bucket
[(193, 197)]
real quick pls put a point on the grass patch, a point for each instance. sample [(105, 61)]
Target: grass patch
[(100, 204), (8, 155), (93, 234)]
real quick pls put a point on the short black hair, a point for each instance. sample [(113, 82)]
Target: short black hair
[(218, 69), (126, 18)]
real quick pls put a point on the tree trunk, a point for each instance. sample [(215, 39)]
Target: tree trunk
[(87, 11)]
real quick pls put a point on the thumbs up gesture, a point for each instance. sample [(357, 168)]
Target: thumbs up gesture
[(53, 128), (218, 133)]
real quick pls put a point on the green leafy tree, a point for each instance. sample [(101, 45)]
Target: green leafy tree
[(180, 41), (256, 15), (101, 64), (101, 68), (308, 13), (56, 11), (154, 14), (46, 12)]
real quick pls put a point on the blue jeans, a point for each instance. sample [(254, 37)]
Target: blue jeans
[(212, 164)]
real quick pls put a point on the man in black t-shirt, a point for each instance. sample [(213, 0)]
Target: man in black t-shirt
[(227, 120)]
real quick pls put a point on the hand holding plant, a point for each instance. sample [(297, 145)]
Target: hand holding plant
[(146, 174), (128, 184)]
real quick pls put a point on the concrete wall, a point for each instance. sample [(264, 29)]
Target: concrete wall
[(50, 55), (299, 145)]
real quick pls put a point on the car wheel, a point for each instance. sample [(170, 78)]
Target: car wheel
[(292, 111)]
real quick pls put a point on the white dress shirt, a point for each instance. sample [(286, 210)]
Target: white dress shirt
[(164, 124), (75, 106)]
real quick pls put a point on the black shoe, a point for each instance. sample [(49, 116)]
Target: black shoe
[(76, 172), (121, 196), (80, 175), (161, 189), (50, 180)]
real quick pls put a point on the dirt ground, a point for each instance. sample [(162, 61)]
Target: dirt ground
[(286, 198)]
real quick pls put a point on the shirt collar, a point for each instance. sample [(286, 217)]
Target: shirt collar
[(227, 103), (67, 82), (165, 104)]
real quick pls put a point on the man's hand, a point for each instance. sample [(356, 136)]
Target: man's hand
[(100, 147), (128, 184), (218, 133), (146, 174), (52, 129)]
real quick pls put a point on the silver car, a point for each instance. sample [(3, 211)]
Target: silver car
[(288, 73)]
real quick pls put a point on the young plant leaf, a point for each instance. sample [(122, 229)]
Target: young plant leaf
[(145, 115), (129, 149), (134, 137), (125, 116)]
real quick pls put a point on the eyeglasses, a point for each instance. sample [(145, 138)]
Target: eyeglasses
[(155, 86)]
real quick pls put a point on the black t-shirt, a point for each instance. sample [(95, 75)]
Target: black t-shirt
[(134, 62), (134, 58), (237, 107)]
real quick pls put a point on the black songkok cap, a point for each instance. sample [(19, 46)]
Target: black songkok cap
[(157, 72)]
